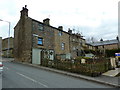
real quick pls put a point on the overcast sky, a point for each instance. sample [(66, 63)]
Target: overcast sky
[(92, 18)]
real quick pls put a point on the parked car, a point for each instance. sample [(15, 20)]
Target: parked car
[(1, 67)]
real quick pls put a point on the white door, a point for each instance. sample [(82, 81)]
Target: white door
[(36, 56)]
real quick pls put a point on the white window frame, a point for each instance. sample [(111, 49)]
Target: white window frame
[(63, 46)]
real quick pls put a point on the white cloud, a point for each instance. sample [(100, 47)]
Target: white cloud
[(87, 15)]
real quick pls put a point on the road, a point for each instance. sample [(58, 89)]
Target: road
[(17, 75)]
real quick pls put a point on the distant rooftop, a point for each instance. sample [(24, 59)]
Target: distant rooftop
[(108, 42)]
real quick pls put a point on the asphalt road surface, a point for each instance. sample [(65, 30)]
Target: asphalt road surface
[(17, 75)]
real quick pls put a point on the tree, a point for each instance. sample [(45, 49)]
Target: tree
[(91, 40)]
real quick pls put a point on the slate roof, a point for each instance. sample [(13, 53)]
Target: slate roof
[(108, 42)]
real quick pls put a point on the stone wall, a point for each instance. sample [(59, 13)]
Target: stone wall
[(47, 34), (5, 47), (109, 47), (26, 34), (22, 40), (59, 39), (76, 45)]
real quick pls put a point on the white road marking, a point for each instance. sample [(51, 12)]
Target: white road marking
[(32, 79)]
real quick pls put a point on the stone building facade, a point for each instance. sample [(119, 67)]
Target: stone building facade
[(5, 51), (35, 40), (62, 43), (106, 45), (23, 37), (77, 44), (90, 47)]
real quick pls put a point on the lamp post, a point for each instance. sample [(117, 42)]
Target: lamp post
[(8, 36)]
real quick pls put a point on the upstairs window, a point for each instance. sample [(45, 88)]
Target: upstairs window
[(33, 27), (73, 39), (40, 27), (40, 41), (60, 33), (74, 48), (63, 46)]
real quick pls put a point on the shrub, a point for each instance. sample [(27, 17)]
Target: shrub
[(111, 53), (91, 69), (81, 57)]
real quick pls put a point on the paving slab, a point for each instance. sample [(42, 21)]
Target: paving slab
[(112, 73)]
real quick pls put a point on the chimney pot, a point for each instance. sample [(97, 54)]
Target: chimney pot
[(69, 31), (25, 6), (46, 21), (60, 27), (24, 11)]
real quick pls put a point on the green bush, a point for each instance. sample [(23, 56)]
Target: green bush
[(111, 53), (81, 57), (91, 69)]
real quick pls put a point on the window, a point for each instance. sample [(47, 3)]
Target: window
[(103, 46), (60, 33), (73, 39), (77, 53), (63, 46), (40, 41), (81, 43), (74, 48), (40, 27), (33, 27)]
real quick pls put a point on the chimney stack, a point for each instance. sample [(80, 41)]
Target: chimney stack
[(24, 12), (46, 21), (69, 31), (101, 39), (60, 27), (117, 38)]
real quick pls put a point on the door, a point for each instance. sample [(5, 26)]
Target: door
[(36, 56), (51, 54)]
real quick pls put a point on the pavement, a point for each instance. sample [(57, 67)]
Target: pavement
[(105, 78), (112, 73)]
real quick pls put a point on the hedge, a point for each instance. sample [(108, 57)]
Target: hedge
[(90, 69), (111, 53)]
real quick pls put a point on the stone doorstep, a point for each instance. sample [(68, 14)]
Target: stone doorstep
[(112, 73), (73, 75)]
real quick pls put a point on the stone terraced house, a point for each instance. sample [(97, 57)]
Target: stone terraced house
[(106, 45), (35, 40), (7, 51)]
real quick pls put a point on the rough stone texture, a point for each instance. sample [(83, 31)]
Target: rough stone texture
[(47, 34), (76, 45), (5, 47), (22, 39), (108, 47), (90, 47), (26, 35), (64, 38)]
